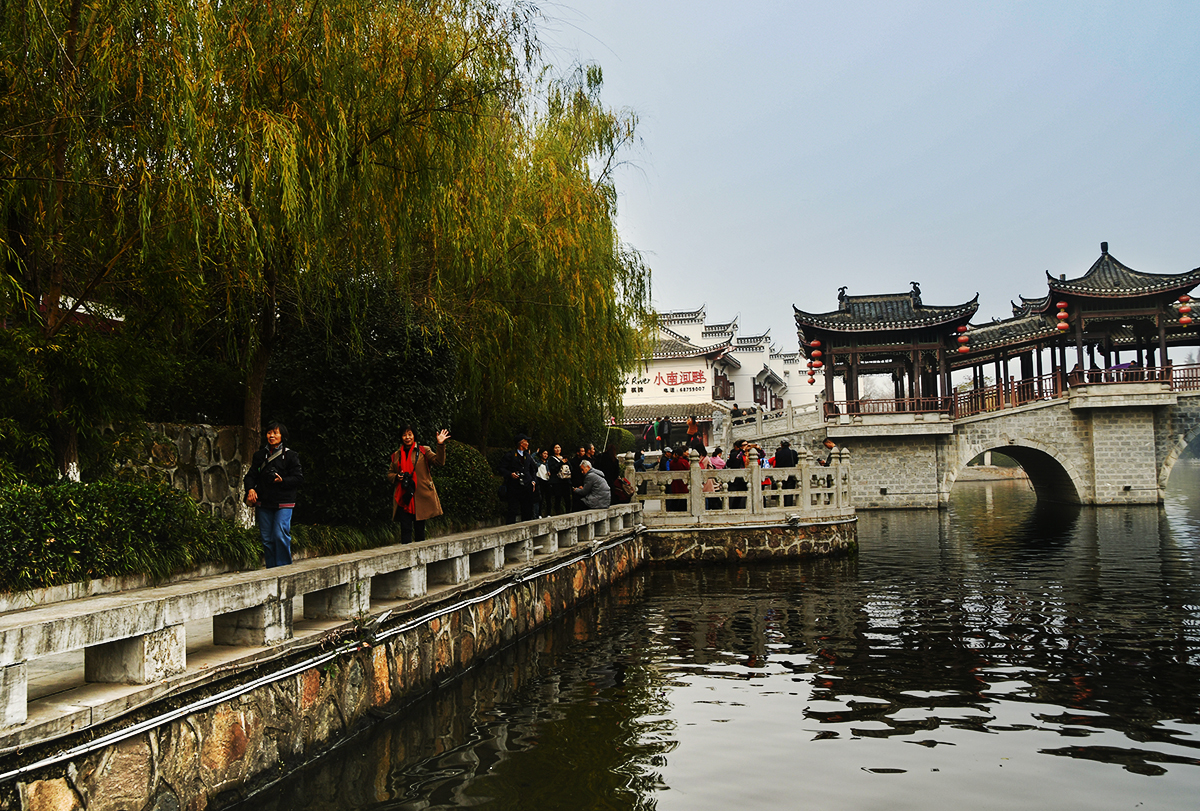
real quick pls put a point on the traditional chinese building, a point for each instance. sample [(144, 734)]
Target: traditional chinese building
[(702, 370), (893, 334)]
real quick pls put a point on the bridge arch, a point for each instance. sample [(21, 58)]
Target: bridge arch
[(1173, 455), (1054, 479)]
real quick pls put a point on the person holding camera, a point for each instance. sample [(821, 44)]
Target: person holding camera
[(271, 484), (415, 499)]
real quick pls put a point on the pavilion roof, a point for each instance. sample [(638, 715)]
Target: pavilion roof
[(1109, 278), (1023, 328), (888, 311)]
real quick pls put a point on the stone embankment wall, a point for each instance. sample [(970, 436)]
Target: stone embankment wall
[(735, 544), (214, 757), (204, 461)]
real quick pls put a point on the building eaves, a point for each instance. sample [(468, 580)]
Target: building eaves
[(1109, 278), (883, 312)]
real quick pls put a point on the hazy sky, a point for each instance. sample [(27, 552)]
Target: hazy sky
[(791, 148)]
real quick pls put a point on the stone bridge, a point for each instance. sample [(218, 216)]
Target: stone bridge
[(1093, 444)]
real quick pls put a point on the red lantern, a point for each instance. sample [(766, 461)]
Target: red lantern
[(1185, 319), (1062, 316), (1062, 305), (816, 353), (1063, 326), (817, 364), (811, 380), (962, 350), (815, 344), (1184, 299), (962, 328), (1185, 308), (964, 339)]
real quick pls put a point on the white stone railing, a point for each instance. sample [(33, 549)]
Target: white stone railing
[(786, 420), (138, 636), (752, 494)]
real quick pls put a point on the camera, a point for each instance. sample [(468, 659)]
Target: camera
[(407, 488)]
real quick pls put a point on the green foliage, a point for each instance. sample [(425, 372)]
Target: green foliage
[(68, 532), (466, 487), (345, 405), (624, 440)]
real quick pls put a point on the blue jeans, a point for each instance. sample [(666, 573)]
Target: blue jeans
[(275, 527)]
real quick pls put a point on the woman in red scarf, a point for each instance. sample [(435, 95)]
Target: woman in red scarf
[(415, 499)]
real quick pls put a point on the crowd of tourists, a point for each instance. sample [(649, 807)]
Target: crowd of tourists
[(537, 484)]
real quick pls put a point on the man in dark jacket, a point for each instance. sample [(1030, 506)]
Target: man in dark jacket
[(271, 484), (786, 456), (518, 469)]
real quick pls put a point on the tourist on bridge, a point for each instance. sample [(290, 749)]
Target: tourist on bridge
[(415, 499), (560, 482), (831, 447), (717, 459), (594, 493), (271, 485), (519, 471), (786, 456), (738, 461)]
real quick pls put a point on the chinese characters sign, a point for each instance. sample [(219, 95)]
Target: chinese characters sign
[(679, 378)]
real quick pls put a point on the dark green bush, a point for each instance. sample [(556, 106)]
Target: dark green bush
[(466, 488), (69, 532), (345, 403)]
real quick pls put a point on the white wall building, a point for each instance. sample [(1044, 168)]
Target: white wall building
[(702, 370)]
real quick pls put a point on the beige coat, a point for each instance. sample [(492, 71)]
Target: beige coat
[(427, 504)]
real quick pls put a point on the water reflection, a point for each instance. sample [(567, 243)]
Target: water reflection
[(998, 654)]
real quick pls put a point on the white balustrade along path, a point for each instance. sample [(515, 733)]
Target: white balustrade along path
[(138, 638), (751, 495)]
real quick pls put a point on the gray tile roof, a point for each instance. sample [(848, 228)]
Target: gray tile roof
[(1108, 278), (883, 312)]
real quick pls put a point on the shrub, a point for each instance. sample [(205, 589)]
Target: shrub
[(466, 487), (68, 532)]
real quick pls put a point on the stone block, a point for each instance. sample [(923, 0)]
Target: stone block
[(267, 624), (14, 695), (449, 572), (339, 602), (567, 537), (137, 660), (519, 551), (402, 585), (487, 560)]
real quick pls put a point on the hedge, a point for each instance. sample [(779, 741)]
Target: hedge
[(69, 532)]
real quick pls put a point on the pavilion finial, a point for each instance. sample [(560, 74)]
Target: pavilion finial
[(1104, 248), (916, 294)]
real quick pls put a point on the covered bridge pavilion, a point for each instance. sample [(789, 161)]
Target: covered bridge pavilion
[(1112, 324)]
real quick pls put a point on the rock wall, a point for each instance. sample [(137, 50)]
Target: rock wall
[(734, 544), (202, 460), (214, 757)]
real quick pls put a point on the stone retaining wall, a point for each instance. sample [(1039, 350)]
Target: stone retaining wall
[(214, 757), (735, 544), (203, 461)]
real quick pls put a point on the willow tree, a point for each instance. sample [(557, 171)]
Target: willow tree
[(332, 127), (546, 306), (96, 114)]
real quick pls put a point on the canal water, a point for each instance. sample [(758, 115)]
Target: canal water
[(996, 655)]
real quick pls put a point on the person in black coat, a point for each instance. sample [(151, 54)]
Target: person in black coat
[(519, 469), (786, 456), (271, 485)]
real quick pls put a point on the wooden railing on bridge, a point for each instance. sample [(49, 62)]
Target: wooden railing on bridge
[(1017, 392), (750, 495)]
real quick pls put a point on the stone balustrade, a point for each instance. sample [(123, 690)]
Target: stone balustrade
[(138, 636), (752, 494)]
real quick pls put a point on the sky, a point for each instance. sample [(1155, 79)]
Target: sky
[(787, 149)]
